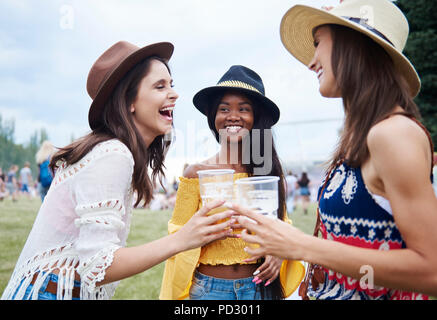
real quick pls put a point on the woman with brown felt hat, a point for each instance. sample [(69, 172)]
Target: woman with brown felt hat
[(76, 249), (377, 211)]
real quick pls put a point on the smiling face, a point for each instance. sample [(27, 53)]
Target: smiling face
[(152, 109), (234, 117), (321, 63)]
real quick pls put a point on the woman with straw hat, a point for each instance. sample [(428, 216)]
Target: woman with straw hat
[(76, 249), (377, 210), (235, 108)]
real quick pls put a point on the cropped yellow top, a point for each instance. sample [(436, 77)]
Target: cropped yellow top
[(180, 268)]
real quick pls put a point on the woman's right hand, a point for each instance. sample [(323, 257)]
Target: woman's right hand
[(202, 229)]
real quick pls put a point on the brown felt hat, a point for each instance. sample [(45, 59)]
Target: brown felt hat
[(112, 66)]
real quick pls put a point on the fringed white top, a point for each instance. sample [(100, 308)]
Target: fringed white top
[(83, 220)]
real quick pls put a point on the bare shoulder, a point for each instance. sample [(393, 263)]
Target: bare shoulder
[(191, 171), (208, 164), (398, 132), (399, 144)]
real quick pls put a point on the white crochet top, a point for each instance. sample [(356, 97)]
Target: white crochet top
[(83, 220)]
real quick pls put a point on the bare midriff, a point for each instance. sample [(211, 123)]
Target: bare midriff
[(234, 271)]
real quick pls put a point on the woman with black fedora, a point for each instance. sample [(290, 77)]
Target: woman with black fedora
[(377, 212), (76, 249), (235, 108)]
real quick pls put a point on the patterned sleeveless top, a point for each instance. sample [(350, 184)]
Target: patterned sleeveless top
[(350, 214)]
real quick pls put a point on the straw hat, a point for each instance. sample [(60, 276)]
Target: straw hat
[(244, 80), (112, 66), (380, 20)]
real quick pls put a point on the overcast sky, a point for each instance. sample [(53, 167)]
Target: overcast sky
[(47, 48)]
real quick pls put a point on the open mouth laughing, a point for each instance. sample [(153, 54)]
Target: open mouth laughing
[(167, 112)]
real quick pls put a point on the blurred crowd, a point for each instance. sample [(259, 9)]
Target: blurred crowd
[(164, 199), (301, 189), (16, 182)]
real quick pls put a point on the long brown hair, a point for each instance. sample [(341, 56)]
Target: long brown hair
[(370, 87), (117, 123)]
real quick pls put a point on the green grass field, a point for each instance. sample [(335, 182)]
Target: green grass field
[(16, 220)]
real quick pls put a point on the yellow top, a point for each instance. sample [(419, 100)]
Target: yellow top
[(180, 268)]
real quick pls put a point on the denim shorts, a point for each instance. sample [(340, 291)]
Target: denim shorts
[(204, 287), (10, 187), (43, 294), (304, 191)]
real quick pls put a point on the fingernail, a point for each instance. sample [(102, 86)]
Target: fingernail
[(227, 204), (256, 272), (255, 279), (267, 283), (259, 281)]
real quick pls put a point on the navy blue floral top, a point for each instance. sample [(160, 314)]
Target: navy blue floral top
[(350, 214)]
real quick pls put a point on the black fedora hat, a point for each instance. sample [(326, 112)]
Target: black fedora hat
[(242, 79)]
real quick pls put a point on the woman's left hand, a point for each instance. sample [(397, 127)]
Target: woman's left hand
[(268, 271), (273, 236)]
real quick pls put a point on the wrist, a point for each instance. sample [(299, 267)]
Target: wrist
[(175, 243), (309, 244)]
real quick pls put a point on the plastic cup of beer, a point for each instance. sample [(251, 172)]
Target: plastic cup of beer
[(216, 184), (259, 194)]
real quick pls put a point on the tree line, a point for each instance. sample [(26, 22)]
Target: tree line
[(421, 49)]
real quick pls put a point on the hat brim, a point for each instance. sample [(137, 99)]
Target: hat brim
[(163, 50), (296, 34), (202, 100)]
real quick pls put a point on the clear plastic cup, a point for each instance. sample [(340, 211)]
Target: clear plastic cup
[(216, 184), (260, 194)]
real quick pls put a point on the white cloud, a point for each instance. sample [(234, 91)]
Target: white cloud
[(44, 66)]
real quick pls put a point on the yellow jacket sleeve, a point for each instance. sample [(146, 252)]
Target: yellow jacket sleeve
[(292, 272), (179, 269)]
